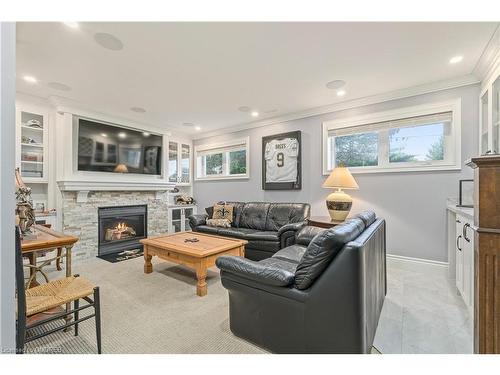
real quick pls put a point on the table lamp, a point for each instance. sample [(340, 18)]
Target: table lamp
[(339, 203), (121, 168)]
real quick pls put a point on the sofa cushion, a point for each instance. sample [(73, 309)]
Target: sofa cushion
[(269, 246), (222, 223), (207, 229), (280, 264), (223, 211), (254, 215), (368, 217), (263, 236), (306, 234), (210, 211), (292, 253), (240, 233), (237, 208), (323, 248), (280, 214)]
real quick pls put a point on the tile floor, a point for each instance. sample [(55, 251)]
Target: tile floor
[(422, 312)]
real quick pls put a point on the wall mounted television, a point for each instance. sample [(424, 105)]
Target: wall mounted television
[(104, 147)]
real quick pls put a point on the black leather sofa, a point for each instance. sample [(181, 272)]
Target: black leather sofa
[(268, 227), (323, 294)]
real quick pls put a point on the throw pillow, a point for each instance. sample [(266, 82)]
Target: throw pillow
[(223, 223), (223, 211)]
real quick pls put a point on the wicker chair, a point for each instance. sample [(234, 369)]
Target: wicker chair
[(38, 306)]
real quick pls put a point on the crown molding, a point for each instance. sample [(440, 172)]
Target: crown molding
[(490, 58), (466, 80)]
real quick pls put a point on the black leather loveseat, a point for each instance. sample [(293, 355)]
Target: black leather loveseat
[(268, 227), (323, 294)]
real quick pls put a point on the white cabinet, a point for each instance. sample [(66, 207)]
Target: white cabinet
[(32, 127), (465, 259), (179, 162), (178, 218)]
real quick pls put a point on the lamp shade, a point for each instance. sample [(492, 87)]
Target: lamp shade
[(121, 168), (340, 178)]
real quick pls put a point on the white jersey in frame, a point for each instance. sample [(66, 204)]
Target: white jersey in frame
[(281, 160)]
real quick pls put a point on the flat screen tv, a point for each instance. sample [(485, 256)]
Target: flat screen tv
[(112, 148)]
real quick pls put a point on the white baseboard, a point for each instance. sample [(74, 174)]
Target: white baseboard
[(417, 260)]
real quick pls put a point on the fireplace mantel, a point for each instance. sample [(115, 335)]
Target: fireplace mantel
[(84, 187)]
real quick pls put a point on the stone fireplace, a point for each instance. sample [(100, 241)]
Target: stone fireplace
[(121, 227), (81, 218)]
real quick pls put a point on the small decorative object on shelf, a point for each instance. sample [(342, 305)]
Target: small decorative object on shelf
[(24, 207), (184, 199), (339, 203), (33, 123)]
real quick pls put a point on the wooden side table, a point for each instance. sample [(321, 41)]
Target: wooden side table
[(47, 239), (322, 222)]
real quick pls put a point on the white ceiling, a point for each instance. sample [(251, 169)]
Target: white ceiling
[(202, 72)]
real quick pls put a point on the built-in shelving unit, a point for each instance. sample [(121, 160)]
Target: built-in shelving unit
[(489, 120), (179, 162), (32, 144)]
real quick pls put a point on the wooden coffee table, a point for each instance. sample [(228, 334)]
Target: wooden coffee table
[(198, 255)]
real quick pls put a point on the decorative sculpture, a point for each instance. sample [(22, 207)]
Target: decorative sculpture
[(24, 206)]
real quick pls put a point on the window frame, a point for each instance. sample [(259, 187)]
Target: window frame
[(454, 143), (225, 148)]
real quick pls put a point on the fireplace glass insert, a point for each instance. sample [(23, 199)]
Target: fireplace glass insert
[(121, 228)]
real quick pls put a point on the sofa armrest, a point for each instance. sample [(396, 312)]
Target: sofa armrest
[(255, 271), (196, 220), (287, 233)]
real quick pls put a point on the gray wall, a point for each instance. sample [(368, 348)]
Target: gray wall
[(413, 203), (7, 183)]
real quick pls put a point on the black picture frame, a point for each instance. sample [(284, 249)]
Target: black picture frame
[(465, 201), (297, 184)]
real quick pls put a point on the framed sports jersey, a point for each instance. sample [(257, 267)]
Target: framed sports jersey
[(281, 162)]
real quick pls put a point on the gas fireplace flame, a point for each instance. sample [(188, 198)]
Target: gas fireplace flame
[(121, 226)]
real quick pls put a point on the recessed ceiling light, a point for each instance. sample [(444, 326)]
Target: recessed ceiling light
[(255, 114), (341, 92), (108, 41), (188, 124), (146, 134), (456, 59), (122, 135), (30, 79), (244, 109), (335, 85), (59, 86), (73, 25), (104, 134), (197, 127), (138, 109)]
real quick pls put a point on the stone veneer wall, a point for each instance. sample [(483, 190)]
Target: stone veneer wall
[(80, 219)]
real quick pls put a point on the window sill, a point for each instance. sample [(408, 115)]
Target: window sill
[(421, 169), (219, 178)]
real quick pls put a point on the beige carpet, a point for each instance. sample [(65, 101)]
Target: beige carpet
[(155, 313)]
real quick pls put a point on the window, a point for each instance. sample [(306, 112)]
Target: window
[(410, 139), (224, 160)]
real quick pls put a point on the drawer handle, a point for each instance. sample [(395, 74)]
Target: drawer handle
[(464, 231), (458, 240)]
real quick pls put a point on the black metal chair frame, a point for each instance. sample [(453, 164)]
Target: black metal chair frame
[(22, 328)]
